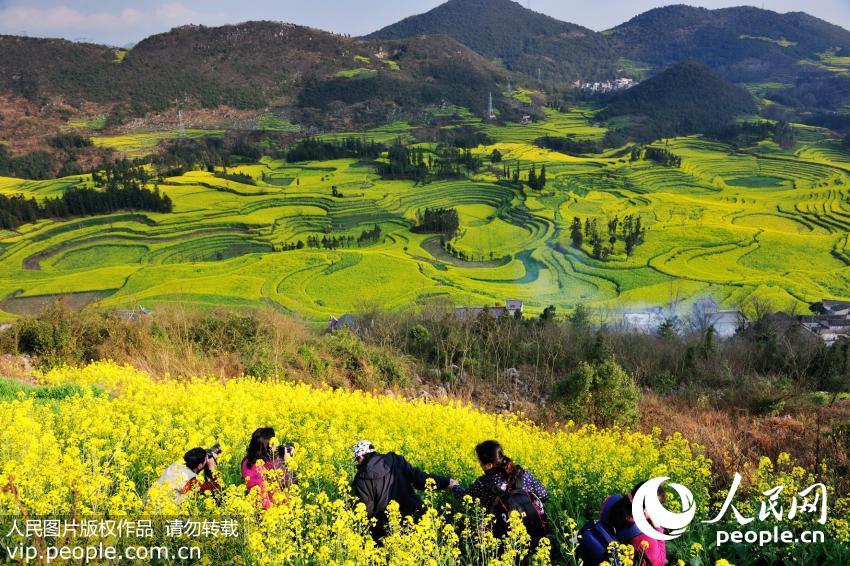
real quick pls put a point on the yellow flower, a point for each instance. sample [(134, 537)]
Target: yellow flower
[(696, 548), (95, 455)]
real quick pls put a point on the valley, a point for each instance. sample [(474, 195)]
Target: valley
[(740, 225)]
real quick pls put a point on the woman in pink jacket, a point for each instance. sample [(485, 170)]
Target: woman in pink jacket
[(264, 470)]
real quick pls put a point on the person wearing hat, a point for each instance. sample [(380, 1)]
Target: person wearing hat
[(382, 478)]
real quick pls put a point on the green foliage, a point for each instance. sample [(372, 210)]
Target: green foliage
[(438, 221), (56, 337), (728, 39), (601, 393), (10, 389), (34, 165), (685, 99), (312, 149)]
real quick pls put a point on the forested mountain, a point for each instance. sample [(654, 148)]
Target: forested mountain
[(457, 53), (523, 40), (744, 44), (250, 65), (685, 99)]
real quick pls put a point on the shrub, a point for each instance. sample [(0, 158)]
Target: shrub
[(600, 393)]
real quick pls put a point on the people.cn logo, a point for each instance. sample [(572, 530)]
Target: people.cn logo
[(647, 504)]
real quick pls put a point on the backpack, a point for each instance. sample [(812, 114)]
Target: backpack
[(522, 502), (593, 540)]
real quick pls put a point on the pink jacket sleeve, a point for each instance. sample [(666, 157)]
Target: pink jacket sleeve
[(655, 553)]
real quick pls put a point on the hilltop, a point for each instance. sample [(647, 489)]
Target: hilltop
[(239, 70), (685, 99), (745, 44), (521, 39)]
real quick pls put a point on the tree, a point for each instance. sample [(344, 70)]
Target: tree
[(603, 394), (785, 135), (576, 234), (597, 248), (548, 313), (496, 156), (419, 338), (580, 317)]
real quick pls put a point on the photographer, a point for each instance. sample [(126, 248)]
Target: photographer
[(265, 469), (182, 477)]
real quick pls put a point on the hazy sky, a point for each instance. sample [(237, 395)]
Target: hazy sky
[(119, 22)]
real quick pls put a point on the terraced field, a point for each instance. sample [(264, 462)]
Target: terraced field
[(736, 225)]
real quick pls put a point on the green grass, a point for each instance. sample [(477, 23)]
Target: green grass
[(93, 123), (782, 42), (358, 73), (274, 123), (766, 224), (12, 389), (140, 144)]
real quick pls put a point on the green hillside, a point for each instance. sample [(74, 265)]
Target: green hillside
[(685, 99)]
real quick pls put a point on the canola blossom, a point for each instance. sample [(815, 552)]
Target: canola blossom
[(99, 453)]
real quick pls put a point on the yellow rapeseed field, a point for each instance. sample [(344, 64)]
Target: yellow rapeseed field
[(98, 452)]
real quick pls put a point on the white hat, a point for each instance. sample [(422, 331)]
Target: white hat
[(362, 448)]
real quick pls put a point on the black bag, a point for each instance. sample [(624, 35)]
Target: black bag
[(523, 502), (594, 538)]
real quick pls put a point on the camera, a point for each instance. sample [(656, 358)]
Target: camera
[(287, 449), (214, 451)]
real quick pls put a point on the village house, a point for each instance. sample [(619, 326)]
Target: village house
[(345, 321), (512, 308), (705, 314), (726, 323), (621, 83), (647, 321), (833, 322)]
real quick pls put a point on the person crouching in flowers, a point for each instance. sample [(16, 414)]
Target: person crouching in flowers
[(506, 487), (182, 477), (264, 469), (617, 512), (382, 478)]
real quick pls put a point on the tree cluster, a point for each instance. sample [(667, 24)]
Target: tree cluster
[(241, 178), (785, 135), (569, 144), (444, 221), (533, 179), (370, 236), (405, 162), (629, 230), (658, 154), (206, 153), (312, 149), (44, 165), (18, 210), (327, 242), (289, 246)]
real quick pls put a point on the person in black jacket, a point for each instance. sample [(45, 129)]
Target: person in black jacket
[(382, 478)]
